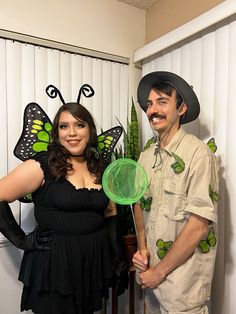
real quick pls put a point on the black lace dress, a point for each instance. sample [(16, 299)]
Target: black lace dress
[(72, 277)]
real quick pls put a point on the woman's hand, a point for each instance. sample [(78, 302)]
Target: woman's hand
[(140, 259)]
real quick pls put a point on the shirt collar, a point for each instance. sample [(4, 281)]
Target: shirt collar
[(174, 143)]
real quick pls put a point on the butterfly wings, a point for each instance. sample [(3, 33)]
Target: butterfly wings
[(35, 136), (212, 145), (107, 142)]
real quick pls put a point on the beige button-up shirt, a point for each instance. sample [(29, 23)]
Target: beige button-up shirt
[(174, 197)]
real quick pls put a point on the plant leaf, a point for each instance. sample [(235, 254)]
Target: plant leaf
[(134, 133)]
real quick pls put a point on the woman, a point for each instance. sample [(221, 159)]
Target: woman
[(67, 271)]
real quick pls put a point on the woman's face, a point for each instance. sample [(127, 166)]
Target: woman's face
[(73, 134)]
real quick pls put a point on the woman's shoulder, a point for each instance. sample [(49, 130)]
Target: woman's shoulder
[(42, 158)]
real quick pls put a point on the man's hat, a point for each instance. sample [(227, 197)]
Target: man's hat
[(183, 88)]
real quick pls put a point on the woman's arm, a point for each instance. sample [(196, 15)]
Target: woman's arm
[(24, 179)]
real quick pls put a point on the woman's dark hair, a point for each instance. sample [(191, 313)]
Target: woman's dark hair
[(167, 88), (58, 155)]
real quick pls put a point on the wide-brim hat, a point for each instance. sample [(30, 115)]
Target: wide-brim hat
[(183, 88)]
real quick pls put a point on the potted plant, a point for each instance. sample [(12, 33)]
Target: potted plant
[(129, 149)]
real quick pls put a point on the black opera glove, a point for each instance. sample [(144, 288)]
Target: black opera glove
[(120, 278), (12, 231)]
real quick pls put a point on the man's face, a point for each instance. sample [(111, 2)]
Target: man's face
[(162, 112)]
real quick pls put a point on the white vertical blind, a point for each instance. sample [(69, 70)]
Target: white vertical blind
[(207, 61), (25, 72), (3, 124)]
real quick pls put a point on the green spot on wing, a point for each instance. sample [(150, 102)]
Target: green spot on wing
[(39, 147), (36, 127), (212, 242), (107, 142), (168, 244), (48, 127), (179, 160), (178, 166), (39, 122), (163, 247), (145, 203), (100, 146), (160, 244), (101, 138), (109, 138), (204, 246), (161, 253), (149, 143), (213, 195), (212, 145), (43, 136)]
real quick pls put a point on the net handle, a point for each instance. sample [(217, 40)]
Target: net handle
[(135, 226)]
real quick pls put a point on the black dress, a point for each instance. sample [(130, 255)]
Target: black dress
[(72, 277)]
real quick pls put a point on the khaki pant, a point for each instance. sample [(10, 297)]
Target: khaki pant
[(153, 306)]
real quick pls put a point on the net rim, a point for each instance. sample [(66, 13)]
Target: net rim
[(113, 196)]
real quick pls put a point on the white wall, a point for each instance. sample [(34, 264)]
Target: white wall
[(103, 25)]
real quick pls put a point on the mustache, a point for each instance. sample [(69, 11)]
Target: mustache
[(155, 115)]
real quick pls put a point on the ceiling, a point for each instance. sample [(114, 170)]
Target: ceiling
[(141, 4)]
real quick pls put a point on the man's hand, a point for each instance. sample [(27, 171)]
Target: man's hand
[(151, 278)]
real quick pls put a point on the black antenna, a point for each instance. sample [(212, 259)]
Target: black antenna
[(86, 90), (53, 92)]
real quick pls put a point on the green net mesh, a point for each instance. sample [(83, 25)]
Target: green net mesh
[(124, 181)]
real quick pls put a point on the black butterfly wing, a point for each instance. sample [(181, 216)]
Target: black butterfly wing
[(35, 136), (107, 142)]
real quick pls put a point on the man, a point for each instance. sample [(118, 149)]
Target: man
[(177, 233)]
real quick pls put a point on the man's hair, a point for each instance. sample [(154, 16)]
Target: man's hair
[(167, 88)]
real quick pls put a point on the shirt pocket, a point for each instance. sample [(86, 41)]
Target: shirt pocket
[(174, 199)]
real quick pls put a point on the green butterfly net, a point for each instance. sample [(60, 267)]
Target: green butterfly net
[(124, 181)]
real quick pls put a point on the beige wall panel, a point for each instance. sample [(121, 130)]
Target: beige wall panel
[(103, 25), (166, 15)]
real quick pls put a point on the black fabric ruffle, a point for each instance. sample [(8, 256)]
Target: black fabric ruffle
[(76, 267)]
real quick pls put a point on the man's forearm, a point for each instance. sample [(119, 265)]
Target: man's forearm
[(184, 245)]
